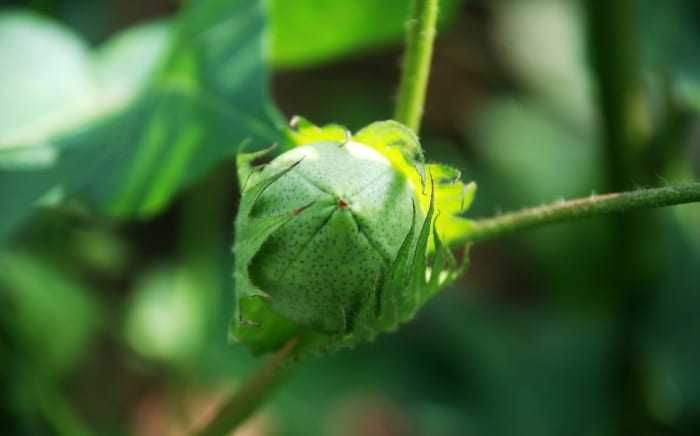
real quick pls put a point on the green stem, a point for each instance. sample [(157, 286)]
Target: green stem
[(251, 395), (572, 210), (615, 49), (420, 34)]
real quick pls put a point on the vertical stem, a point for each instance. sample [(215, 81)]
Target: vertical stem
[(251, 395), (420, 34), (614, 36), (614, 41)]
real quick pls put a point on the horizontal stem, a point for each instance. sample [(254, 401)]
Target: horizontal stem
[(251, 395), (572, 210)]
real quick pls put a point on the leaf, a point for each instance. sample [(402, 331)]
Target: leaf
[(262, 328), (166, 317), (392, 135), (671, 36), (35, 100), (302, 132), (310, 32), (55, 335), (396, 285), (205, 92), (669, 352), (125, 64)]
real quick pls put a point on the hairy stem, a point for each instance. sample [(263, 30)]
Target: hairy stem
[(420, 34), (251, 395), (489, 228)]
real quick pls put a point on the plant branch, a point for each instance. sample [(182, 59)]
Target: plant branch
[(615, 57), (613, 33), (572, 210), (420, 34), (251, 395)]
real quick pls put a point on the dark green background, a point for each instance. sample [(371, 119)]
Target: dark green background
[(115, 291)]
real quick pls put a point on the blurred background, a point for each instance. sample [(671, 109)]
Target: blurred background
[(119, 121)]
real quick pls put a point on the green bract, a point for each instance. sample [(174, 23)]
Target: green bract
[(337, 239)]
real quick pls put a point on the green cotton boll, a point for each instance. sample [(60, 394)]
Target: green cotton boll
[(335, 239), (354, 211)]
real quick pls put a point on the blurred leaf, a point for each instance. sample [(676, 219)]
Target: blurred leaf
[(166, 318), (668, 332), (535, 372), (309, 32), (671, 36), (534, 148), (125, 63), (53, 83), (51, 316), (100, 250), (557, 76), (670, 50), (207, 93), (36, 101), (537, 159)]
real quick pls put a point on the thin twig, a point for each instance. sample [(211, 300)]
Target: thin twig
[(489, 228), (251, 395), (420, 34)]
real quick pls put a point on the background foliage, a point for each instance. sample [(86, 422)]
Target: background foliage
[(118, 125)]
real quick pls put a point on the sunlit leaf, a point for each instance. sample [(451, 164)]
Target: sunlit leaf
[(166, 318), (199, 91), (452, 197), (46, 79), (308, 32)]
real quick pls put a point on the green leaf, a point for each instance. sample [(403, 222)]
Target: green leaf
[(200, 90), (166, 318), (46, 79), (51, 316), (309, 32), (392, 134), (249, 299), (671, 36), (125, 64), (302, 132)]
